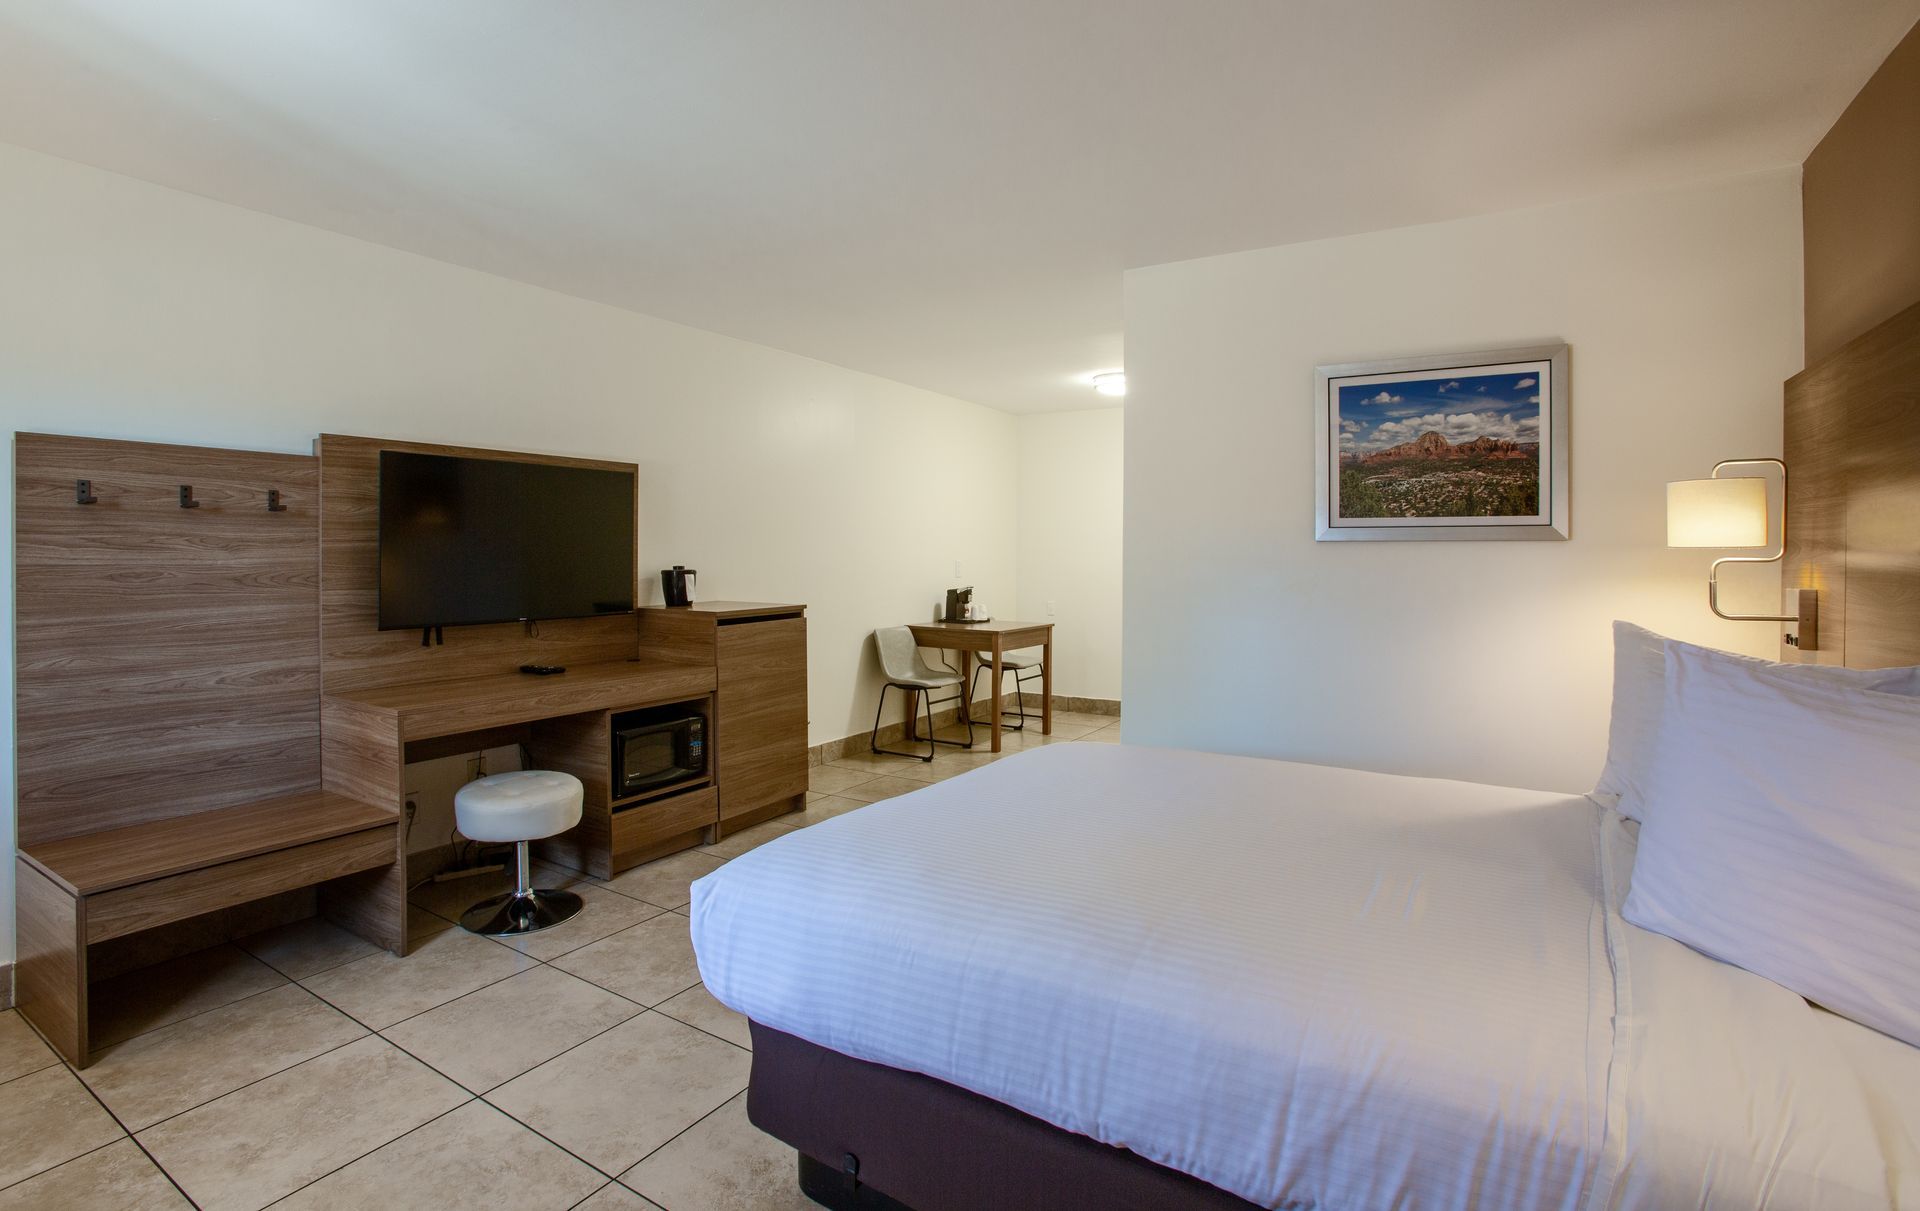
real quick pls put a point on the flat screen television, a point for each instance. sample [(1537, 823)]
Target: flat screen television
[(474, 540)]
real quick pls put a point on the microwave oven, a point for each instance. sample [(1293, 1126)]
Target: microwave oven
[(657, 748)]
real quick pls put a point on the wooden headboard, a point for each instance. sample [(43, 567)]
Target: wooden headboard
[(168, 657), (1853, 525)]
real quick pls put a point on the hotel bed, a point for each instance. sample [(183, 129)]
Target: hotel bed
[(1303, 986)]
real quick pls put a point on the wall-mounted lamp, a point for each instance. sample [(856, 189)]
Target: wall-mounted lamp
[(1732, 513), (1110, 382)]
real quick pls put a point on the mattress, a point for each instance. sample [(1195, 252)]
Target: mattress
[(1311, 987)]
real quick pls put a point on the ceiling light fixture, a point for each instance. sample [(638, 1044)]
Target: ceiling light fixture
[(1111, 382)]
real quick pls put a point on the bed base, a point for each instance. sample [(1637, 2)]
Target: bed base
[(873, 1138)]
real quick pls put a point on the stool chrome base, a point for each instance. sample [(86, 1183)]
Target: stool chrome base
[(520, 912), (525, 909)]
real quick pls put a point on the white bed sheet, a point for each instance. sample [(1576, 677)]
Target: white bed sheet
[(1313, 987)]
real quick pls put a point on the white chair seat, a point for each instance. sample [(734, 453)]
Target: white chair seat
[(524, 805), (933, 681), (1010, 660)]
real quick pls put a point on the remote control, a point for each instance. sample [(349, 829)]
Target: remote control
[(543, 670)]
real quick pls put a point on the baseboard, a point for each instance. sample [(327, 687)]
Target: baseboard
[(1080, 706), (893, 734), (6, 986)]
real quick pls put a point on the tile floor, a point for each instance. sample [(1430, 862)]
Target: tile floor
[(304, 1068)]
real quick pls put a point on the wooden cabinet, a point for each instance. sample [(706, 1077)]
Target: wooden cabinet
[(758, 651)]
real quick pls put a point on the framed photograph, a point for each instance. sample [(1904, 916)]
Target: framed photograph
[(1455, 447)]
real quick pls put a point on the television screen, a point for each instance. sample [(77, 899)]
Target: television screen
[(470, 540)]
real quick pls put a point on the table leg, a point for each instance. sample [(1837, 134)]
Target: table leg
[(993, 720), (1046, 686), (913, 717), (966, 687)]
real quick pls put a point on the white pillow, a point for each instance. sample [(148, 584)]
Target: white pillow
[(1783, 834), (1639, 687)]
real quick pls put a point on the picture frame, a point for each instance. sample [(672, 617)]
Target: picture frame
[(1460, 447)]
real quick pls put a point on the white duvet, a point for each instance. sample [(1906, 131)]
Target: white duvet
[(1313, 987)]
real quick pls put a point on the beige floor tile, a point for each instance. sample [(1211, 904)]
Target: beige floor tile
[(118, 1177), (422, 924), (1032, 737), (881, 788), (615, 1197), (647, 963), (382, 989), (453, 897), (177, 1067), (832, 779), (954, 764), (826, 807), (1106, 735), (1070, 725), (870, 766), (21, 1050), (257, 1144), (151, 997), (748, 839), (48, 1118), (723, 1163), (306, 948), (605, 912), (495, 1034), (665, 881), (945, 767), (472, 1159), (698, 1008), (617, 1097)]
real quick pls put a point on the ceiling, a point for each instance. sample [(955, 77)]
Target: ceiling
[(945, 194)]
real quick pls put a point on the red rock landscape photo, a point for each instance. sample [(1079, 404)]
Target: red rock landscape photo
[(1446, 447)]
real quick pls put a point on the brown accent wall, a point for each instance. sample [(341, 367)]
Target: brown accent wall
[(1861, 197)]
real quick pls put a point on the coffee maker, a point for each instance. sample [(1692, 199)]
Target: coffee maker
[(960, 604)]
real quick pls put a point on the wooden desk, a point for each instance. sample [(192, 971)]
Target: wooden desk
[(367, 736), (996, 638)]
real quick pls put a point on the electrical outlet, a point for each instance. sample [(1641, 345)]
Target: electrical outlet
[(957, 573), (1049, 609)]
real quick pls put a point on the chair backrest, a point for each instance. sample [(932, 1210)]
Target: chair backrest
[(899, 654)]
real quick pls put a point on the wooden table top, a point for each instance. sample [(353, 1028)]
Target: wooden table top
[(936, 634), (733, 609)]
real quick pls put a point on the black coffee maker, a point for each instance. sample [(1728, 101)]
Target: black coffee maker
[(676, 585), (957, 602)]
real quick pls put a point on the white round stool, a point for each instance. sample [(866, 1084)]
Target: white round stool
[(522, 806)]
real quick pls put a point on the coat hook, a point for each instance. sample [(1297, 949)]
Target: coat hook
[(186, 497), (83, 492), (273, 501)]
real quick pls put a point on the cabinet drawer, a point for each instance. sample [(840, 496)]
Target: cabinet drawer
[(140, 906), (649, 824)]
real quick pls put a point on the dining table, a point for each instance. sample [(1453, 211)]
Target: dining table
[(989, 641)]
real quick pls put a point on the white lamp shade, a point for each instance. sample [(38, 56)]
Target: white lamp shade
[(1717, 512)]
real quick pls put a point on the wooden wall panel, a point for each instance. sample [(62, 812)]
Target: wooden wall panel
[(356, 654), (167, 658), (1853, 445)]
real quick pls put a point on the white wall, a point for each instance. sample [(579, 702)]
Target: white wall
[(1484, 661), (131, 311), (1069, 555)]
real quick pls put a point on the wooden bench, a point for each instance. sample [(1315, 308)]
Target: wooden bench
[(79, 890)]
